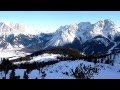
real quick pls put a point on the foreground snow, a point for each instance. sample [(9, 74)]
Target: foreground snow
[(105, 72), (57, 71)]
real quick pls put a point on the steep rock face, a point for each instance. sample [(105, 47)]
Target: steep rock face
[(90, 38), (65, 34)]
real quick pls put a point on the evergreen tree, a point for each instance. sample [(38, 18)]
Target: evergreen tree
[(28, 70), (6, 65), (17, 77), (95, 61), (12, 74), (3, 78), (101, 60), (25, 75), (43, 74)]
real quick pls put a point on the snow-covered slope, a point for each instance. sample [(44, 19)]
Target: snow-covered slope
[(83, 32), (65, 34), (62, 69)]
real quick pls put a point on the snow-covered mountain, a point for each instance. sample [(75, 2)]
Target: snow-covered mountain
[(98, 38), (15, 36), (86, 33), (7, 28)]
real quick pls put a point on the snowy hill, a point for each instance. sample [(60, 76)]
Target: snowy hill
[(66, 69)]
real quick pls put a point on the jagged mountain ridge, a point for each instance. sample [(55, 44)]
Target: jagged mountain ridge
[(99, 38), (13, 36), (78, 35), (7, 28)]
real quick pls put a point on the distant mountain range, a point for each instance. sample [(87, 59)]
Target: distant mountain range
[(99, 38)]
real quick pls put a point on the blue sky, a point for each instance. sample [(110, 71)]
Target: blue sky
[(54, 19)]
